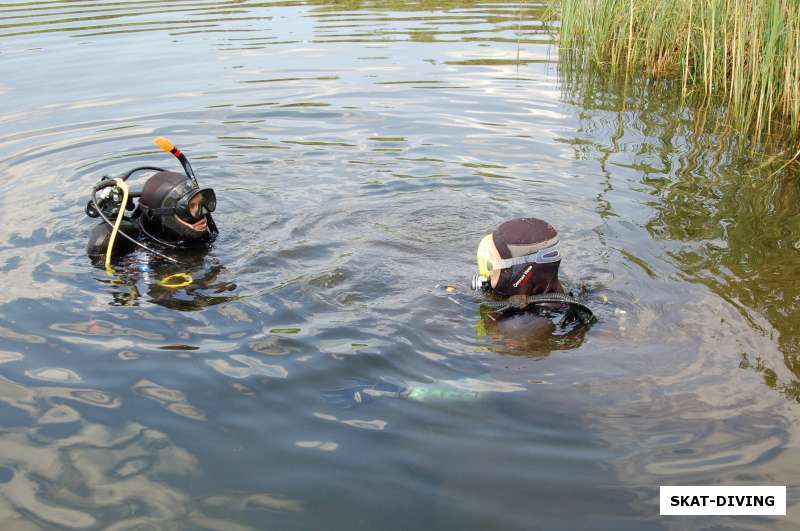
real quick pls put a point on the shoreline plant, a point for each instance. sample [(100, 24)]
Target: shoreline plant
[(744, 54)]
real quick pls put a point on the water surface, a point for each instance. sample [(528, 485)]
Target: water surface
[(359, 151)]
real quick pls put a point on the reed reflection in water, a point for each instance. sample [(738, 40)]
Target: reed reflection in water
[(319, 373)]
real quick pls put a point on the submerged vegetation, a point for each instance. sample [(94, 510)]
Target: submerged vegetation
[(744, 54)]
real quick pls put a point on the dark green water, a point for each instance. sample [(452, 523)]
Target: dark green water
[(360, 150)]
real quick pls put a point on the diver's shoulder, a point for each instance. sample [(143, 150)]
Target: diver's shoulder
[(101, 234)]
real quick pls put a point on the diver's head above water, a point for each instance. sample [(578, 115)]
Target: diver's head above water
[(176, 210), (520, 257)]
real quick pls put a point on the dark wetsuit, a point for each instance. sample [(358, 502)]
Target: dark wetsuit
[(101, 234), (148, 223), (537, 330)]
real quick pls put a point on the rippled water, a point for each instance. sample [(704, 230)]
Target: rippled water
[(360, 150)]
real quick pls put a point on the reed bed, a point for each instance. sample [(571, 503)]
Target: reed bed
[(745, 53)]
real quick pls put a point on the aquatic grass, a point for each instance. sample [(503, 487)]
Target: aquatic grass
[(742, 53)]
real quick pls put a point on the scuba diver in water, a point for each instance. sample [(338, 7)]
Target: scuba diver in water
[(531, 313), (170, 218), (520, 258), (173, 212)]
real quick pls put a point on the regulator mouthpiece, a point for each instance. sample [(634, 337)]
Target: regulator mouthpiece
[(107, 199), (479, 283)]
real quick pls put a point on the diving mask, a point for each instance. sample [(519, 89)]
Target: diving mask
[(487, 263), (192, 206)]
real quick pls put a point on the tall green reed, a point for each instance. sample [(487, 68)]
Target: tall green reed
[(744, 53)]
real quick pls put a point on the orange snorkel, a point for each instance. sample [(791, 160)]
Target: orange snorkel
[(167, 145)]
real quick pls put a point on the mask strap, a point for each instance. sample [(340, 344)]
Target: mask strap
[(161, 211), (543, 256)]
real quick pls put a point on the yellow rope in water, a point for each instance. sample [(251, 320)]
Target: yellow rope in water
[(178, 280), (122, 185)]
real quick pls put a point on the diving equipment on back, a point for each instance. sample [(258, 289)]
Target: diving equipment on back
[(519, 262), (171, 212)]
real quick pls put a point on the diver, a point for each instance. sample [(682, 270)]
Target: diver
[(518, 267), (172, 213), (521, 257), (531, 314)]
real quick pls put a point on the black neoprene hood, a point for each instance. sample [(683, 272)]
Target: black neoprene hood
[(520, 237)]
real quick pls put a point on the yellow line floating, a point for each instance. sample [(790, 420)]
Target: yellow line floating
[(176, 281)]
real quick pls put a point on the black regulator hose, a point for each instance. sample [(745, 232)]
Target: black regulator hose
[(140, 168), (584, 312)]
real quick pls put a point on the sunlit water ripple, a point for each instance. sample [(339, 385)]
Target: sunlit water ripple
[(359, 152)]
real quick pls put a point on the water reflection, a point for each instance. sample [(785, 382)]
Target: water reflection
[(528, 334), (6, 357), (250, 366), (444, 391), (255, 501), (173, 400), (54, 374), (376, 424), (730, 221), (110, 472), (338, 21), (137, 274), (328, 446), (361, 149)]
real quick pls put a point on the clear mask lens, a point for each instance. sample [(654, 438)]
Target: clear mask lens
[(198, 205)]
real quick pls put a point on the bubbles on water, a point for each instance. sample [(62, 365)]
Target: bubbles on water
[(622, 319)]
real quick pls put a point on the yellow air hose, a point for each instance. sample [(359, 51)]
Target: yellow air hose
[(176, 281), (122, 185)]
